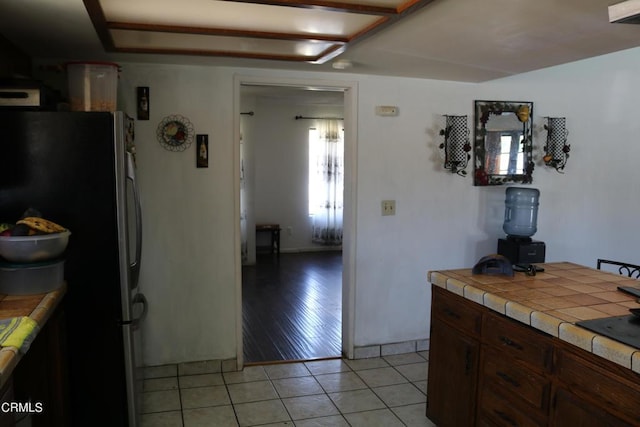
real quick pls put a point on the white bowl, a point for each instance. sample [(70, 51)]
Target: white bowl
[(41, 247)]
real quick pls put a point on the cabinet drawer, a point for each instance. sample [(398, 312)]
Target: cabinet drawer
[(498, 411), (618, 395), (515, 380), (517, 340), (456, 311)]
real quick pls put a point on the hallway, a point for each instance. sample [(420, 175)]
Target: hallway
[(292, 307)]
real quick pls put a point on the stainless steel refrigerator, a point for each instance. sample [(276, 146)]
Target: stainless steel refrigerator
[(78, 169)]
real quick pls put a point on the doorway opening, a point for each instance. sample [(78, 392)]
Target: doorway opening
[(291, 307), (293, 303)]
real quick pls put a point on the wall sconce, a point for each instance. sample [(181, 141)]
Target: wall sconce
[(556, 151), (456, 146)]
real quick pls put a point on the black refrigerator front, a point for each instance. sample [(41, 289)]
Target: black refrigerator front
[(76, 169)]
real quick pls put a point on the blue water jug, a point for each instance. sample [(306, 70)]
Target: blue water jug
[(521, 211)]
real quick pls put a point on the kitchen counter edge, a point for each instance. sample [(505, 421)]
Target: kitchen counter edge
[(10, 356), (614, 351)]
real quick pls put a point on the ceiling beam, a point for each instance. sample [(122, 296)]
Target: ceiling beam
[(96, 14), (332, 6), (233, 54), (228, 32), (383, 16)]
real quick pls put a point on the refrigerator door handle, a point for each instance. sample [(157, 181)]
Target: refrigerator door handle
[(135, 265), (139, 299)]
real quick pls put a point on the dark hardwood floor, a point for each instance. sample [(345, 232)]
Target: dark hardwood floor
[(292, 307)]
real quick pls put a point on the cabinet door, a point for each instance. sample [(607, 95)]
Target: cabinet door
[(452, 381), (569, 410), (611, 387)]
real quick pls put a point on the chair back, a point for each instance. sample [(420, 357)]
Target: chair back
[(624, 268)]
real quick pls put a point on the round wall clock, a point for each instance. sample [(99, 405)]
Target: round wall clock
[(175, 133)]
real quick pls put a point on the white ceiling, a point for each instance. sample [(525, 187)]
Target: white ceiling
[(460, 40)]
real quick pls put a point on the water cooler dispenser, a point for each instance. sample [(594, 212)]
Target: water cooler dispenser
[(520, 223)]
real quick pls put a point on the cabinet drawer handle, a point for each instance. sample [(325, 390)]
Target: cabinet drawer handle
[(510, 343), (451, 313), (508, 379), (505, 417)]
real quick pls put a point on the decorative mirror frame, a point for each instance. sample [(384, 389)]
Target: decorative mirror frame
[(483, 111)]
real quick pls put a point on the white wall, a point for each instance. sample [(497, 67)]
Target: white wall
[(187, 269), (280, 151), (442, 221)]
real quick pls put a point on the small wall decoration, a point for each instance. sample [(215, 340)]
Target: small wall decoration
[(175, 133), (556, 149), (143, 102), (202, 151), (456, 146)]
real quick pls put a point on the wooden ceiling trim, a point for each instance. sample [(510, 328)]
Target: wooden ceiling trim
[(234, 54), (412, 6), (225, 32), (332, 6), (330, 54), (96, 14), (386, 16), (364, 32)]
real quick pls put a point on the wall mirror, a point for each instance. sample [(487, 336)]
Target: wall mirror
[(502, 142)]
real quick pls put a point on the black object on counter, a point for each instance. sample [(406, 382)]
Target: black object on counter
[(493, 265)]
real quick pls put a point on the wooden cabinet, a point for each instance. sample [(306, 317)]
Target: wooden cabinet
[(455, 349), (517, 341), (451, 390), (489, 370), (570, 410), (514, 380), (497, 409), (456, 311), (593, 383)]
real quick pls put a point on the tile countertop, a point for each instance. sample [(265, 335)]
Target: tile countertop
[(38, 307), (552, 301)]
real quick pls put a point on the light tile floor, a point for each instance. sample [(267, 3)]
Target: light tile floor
[(385, 391)]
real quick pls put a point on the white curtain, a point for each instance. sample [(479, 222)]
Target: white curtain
[(327, 194)]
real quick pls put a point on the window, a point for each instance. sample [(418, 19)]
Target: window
[(511, 154), (317, 180), (326, 182)]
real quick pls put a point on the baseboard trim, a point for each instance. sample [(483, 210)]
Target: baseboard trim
[(311, 249), (390, 349), (364, 352)]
